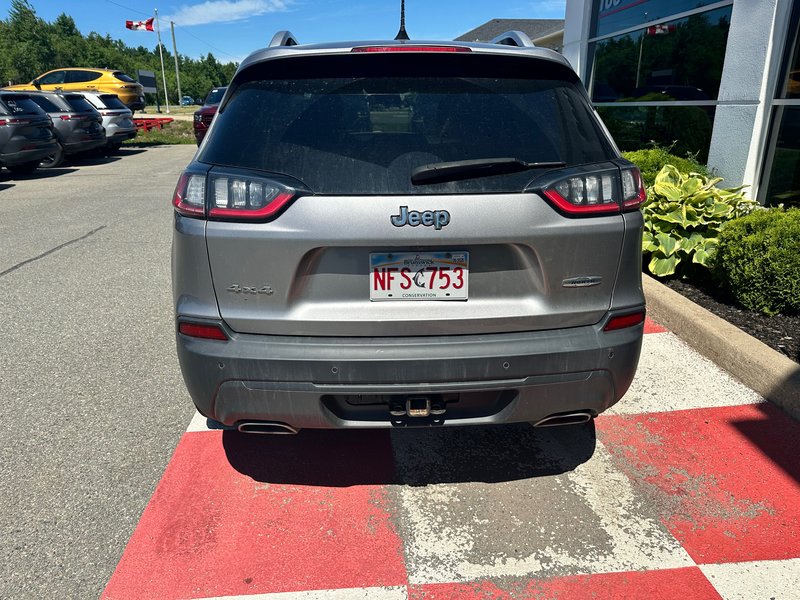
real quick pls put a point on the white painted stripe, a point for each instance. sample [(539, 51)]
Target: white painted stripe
[(762, 580), (672, 376), (586, 521), (198, 423), (371, 593)]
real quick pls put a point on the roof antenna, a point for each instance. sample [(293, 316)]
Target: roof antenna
[(402, 35)]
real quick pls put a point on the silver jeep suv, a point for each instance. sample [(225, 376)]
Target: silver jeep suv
[(403, 233)]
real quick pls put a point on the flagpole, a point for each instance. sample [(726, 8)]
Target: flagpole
[(161, 54), (177, 73)]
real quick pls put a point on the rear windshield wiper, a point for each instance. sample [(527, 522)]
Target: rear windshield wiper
[(470, 169)]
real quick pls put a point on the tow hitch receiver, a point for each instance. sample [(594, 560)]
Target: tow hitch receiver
[(417, 406)]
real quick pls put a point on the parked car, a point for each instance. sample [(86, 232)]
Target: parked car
[(78, 125), (26, 133), (470, 255), (117, 119), (187, 100), (106, 81), (205, 114)]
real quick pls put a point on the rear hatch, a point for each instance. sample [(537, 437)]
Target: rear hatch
[(85, 123), (115, 113), (351, 246), (30, 124)]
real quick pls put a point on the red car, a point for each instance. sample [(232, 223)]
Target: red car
[(205, 114)]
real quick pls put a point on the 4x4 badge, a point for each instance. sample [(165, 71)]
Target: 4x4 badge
[(428, 218)]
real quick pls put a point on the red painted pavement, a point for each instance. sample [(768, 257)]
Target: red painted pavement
[(724, 479), (213, 530), (686, 584), (651, 326)]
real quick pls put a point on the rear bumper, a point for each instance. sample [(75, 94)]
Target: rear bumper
[(19, 157), (351, 382)]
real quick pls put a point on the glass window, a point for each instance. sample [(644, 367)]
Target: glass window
[(19, 104), (52, 78), (112, 101), (215, 96), (678, 60), (616, 15), (79, 103), (82, 76), (123, 77), (685, 129), (367, 134), (46, 105), (784, 177)]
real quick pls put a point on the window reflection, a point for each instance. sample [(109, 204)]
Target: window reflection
[(616, 15), (678, 60), (784, 181), (684, 129)]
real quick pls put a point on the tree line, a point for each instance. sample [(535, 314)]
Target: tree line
[(29, 46)]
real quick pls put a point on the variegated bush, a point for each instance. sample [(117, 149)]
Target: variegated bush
[(682, 218)]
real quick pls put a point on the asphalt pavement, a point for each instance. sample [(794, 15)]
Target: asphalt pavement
[(92, 399), (113, 486)]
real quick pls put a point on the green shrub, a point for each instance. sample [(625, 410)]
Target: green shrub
[(652, 160), (758, 260), (683, 214)]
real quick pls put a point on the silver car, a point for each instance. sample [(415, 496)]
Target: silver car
[(26, 133), (77, 124), (403, 233), (117, 118)]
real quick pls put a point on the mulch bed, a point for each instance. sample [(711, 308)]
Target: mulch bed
[(780, 332)]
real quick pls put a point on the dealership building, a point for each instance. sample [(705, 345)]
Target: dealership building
[(720, 80)]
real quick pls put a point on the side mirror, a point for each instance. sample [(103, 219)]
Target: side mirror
[(36, 84)]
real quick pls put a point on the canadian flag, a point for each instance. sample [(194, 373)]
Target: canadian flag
[(140, 25)]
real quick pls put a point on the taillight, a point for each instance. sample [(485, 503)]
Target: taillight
[(633, 191), (15, 121), (624, 321), (189, 198), (73, 117), (206, 332), (230, 197), (604, 191), (405, 48)]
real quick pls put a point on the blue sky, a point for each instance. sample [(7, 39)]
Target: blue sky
[(231, 29)]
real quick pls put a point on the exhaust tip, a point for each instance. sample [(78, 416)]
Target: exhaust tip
[(266, 428), (572, 418)]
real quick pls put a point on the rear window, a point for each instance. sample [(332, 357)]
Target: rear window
[(123, 77), (215, 96), (79, 104), (20, 104), (112, 102), (364, 134), (46, 105)]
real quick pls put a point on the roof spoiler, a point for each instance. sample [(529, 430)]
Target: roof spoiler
[(283, 38), (514, 38)]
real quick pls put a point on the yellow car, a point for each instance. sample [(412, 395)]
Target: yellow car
[(75, 79)]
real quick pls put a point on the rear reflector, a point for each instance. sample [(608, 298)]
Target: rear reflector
[(624, 321), (411, 49), (206, 332)]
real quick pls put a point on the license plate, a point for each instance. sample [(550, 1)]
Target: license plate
[(419, 275)]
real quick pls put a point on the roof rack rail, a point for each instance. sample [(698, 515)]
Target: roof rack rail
[(283, 38), (514, 38)]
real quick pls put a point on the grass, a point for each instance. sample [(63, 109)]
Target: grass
[(151, 111), (177, 132)]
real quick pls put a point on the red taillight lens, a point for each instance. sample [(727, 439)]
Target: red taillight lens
[(411, 49), (189, 198), (633, 191), (586, 193), (15, 121), (206, 332), (605, 191), (73, 117), (230, 197), (624, 321)]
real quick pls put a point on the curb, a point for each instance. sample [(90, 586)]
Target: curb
[(759, 367)]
